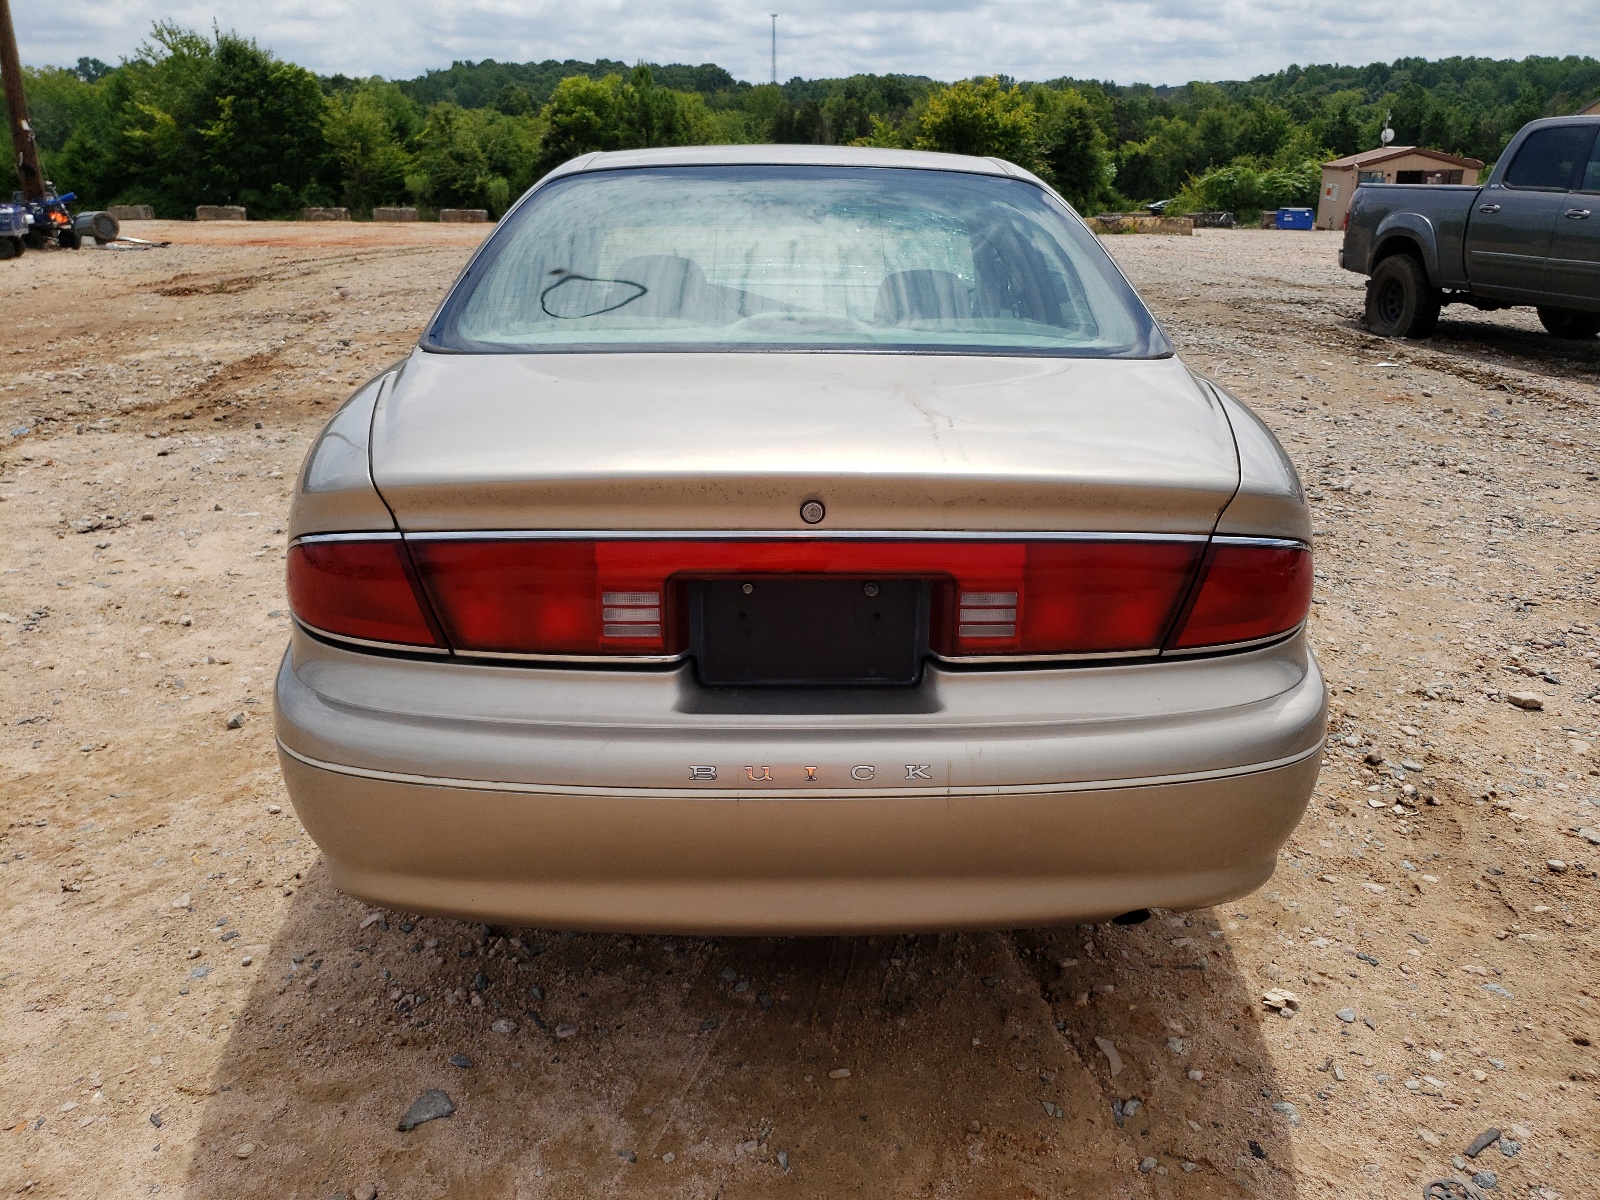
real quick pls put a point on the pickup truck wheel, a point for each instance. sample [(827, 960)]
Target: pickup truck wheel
[(1564, 323), (1399, 301)]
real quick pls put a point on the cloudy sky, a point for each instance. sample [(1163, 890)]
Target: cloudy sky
[(1153, 41)]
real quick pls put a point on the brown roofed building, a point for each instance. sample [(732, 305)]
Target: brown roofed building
[(1389, 164)]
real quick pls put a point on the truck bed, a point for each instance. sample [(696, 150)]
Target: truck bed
[(1437, 212)]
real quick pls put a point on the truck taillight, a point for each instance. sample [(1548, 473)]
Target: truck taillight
[(627, 597)]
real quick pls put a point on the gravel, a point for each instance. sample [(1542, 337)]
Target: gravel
[(1434, 590)]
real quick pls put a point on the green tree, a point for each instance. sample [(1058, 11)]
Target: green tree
[(190, 120), (983, 118), (652, 115), (613, 113), (1075, 147), (1157, 166), (886, 135), (514, 100), (1338, 128), (1244, 187), (475, 157), (581, 117), (367, 129), (1263, 127), (58, 102), (91, 70)]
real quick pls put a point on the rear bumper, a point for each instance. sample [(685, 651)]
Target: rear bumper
[(565, 799)]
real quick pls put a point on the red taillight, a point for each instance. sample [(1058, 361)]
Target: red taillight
[(1099, 597), (357, 589), (628, 597), (558, 596), (1249, 592)]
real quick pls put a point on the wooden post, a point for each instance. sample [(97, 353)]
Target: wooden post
[(27, 152)]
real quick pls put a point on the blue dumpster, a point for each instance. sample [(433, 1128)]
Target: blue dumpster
[(1295, 218)]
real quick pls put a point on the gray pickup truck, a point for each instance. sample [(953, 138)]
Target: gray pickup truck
[(1530, 235)]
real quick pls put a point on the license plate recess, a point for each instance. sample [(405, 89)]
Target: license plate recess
[(819, 632)]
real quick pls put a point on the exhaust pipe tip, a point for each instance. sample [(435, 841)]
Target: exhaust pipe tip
[(1137, 917)]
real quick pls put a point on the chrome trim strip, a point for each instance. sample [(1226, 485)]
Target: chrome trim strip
[(1226, 646), (865, 535), (810, 534), (377, 535), (982, 660), (1001, 659), (1286, 543), (748, 793), (618, 659), (370, 644)]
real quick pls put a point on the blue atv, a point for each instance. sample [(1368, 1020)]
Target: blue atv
[(49, 220), (31, 224)]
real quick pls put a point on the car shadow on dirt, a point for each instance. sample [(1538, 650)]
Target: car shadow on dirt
[(1095, 1061), (1500, 342)]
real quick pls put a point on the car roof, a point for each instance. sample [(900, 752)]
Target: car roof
[(787, 155)]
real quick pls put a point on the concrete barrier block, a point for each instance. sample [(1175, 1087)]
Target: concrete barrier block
[(132, 212), (394, 214), (324, 214), (464, 216), (220, 212), (1135, 223), (1172, 226)]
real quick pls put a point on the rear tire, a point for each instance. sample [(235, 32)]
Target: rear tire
[(1400, 302), (1564, 323), (68, 239)]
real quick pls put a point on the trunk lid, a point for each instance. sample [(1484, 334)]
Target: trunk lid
[(721, 441)]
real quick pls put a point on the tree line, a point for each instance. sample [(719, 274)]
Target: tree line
[(190, 119)]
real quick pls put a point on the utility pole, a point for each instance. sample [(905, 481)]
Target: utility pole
[(27, 153), (774, 45)]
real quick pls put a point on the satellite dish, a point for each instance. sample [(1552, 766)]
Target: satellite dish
[(1386, 136)]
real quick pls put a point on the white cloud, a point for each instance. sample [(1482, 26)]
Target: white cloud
[(1158, 41)]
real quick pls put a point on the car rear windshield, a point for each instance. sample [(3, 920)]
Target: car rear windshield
[(794, 258)]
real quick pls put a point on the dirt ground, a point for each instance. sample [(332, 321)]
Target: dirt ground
[(187, 1007)]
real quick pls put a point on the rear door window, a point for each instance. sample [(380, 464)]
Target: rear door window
[(1549, 160), (1591, 171)]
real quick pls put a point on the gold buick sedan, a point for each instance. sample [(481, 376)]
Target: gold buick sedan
[(792, 539)]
